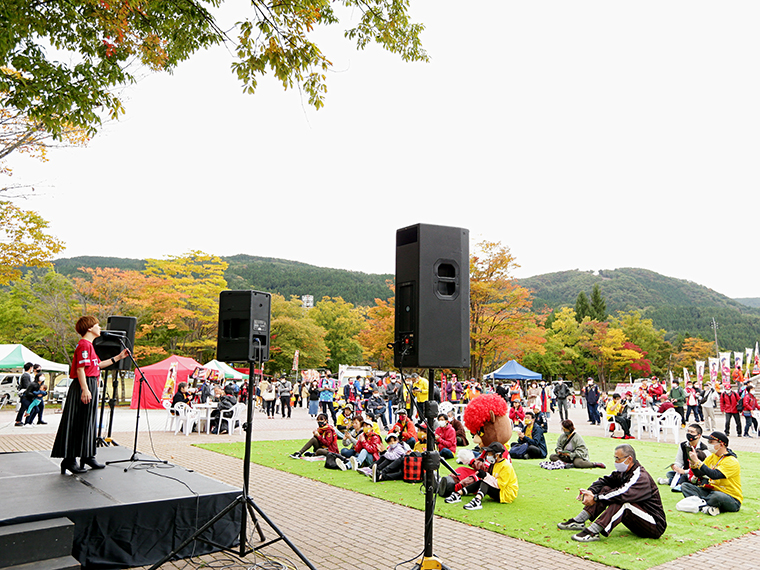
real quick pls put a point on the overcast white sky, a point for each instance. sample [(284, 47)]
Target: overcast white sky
[(583, 135)]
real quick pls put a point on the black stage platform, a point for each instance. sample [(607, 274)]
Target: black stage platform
[(120, 519)]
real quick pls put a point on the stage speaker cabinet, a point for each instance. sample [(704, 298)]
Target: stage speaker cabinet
[(244, 318), (432, 315), (107, 347)]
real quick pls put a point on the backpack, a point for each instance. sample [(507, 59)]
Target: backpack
[(740, 404), (705, 395)]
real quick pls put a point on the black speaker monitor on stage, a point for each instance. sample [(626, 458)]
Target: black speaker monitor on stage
[(244, 318), (109, 347), (432, 316)]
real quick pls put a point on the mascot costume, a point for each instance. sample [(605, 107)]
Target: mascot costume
[(487, 418)]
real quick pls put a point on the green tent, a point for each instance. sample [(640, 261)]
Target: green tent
[(16, 355), (226, 369)]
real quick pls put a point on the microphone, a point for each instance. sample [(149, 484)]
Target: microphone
[(113, 334)]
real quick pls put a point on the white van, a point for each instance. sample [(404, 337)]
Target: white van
[(9, 388)]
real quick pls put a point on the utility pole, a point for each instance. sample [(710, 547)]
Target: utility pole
[(715, 330)]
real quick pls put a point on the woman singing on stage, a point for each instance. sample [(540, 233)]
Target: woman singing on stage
[(76, 433)]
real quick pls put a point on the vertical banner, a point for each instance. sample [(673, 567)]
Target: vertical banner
[(686, 376), (756, 365), (700, 366), (748, 358), (738, 360), (670, 372), (171, 380), (725, 367), (713, 363), (295, 360), (444, 398)]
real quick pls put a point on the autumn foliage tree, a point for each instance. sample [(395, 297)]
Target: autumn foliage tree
[(291, 330), (379, 332)]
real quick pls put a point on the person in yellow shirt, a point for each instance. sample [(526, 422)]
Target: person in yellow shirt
[(613, 407), (496, 478), (420, 388), (723, 489)]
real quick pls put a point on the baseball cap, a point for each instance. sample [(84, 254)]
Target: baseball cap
[(720, 436), (496, 447)]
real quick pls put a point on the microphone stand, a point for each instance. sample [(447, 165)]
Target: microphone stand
[(133, 458)]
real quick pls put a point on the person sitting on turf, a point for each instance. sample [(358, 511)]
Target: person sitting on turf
[(323, 441), (392, 459), (458, 429), (533, 435), (495, 477), (404, 427), (516, 413), (351, 437), (345, 418), (628, 495), (445, 437), (721, 484), (680, 467), (368, 446), (572, 449)]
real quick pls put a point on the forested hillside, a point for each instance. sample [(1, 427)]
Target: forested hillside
[(749, 301), (681, 307), (269, 274)]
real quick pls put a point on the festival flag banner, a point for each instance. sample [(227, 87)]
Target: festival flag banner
[(748, 358), (725, 366), (295, 360), (739, 360), (700, 366), (713, 363), (671, 378), (756, 366), (686, 376), (171, 380)]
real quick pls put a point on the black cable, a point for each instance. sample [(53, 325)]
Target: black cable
[(410, 560)]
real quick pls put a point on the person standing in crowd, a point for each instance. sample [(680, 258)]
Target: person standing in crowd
[(314, 392), (729, 399), (37, 391), (592, 401), (327, 395), (693, 395), (677, 395), (284, 391), (709, 401), (23, 384), (629, 495), (76, 432), (749, 405), (545, 400), (305, 393), (268, 394), (458, 390), (393, 395), (562, 393), (723, 490)]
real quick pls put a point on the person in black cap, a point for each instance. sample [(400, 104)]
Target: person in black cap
[(720, 483), (495, 477)]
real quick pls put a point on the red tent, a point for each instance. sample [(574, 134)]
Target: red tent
[(156, 375)]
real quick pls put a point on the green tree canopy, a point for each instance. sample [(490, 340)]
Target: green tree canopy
[(582, 307)]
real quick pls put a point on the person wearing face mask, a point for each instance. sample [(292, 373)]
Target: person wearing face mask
[(495, 478), (680, 467), (323, 441), (368, 446), (628, 495), (749, 405), (533, 436), (572, 449), (445, 437), (720, 476)]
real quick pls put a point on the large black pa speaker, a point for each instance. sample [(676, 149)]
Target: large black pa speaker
[(107, 347), (244, 318), (432, 297)]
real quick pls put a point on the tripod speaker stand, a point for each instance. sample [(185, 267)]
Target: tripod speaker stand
[(245, 502)]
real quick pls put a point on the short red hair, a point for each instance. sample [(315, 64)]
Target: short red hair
[(478, 412)]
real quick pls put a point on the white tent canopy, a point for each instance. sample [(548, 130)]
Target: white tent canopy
[(226, 369), (16, 355)]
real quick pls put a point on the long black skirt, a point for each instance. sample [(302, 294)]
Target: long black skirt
[(76, 433)]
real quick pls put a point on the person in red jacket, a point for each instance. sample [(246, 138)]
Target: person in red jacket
[(404, 427), (445, 437), (750, 405), (324, 440), (368, 446), (517, 413), (656, 391), (728, 400)]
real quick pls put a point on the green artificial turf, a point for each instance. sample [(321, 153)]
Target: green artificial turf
[(547, 497)]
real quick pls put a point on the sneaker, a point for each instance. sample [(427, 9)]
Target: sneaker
[(354, 463), (374, 473), (600, 466), (571, 524), (308, 454), (663, 481), (586, 536), (19, 424), (474, 505), (296, 455), (341, 464), (41, 423), (712, 511), (628, 436), (454, 498)]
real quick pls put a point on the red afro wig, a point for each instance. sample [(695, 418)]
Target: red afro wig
[(478, 412)]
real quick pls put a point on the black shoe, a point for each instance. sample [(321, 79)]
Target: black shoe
[(91, 462), (41, 423), (19, 424), (70, 464)]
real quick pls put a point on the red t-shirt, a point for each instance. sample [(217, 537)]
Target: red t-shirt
[(85, 357)]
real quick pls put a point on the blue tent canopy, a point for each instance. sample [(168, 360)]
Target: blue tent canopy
[(513, 370)]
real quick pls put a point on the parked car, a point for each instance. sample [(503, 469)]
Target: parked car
[(9, 388), (61, 389)]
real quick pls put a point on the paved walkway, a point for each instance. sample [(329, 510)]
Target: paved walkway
[(340, 529)]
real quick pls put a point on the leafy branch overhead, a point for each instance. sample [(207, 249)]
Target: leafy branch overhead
[(62, 60)]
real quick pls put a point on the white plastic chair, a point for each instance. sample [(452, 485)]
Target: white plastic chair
[(186, 418), (233, 420), (606, 423), (670, 420), (170, 417)]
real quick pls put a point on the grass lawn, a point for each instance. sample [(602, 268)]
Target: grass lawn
[(547, 497)]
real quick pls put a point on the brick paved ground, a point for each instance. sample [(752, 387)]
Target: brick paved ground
[(339, 529)]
